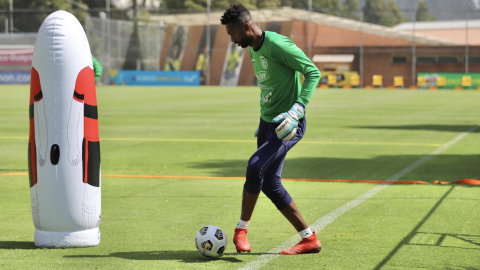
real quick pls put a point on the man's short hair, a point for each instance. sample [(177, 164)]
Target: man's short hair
[(236, 12)]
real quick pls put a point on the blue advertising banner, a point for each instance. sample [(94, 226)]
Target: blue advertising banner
[(14, 77), (147, 77)]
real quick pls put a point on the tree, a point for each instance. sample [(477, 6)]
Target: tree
[(331, 7), (374, 10), (423, 14), (3, 16), (395, 15), (350, 10), (38, 10), (383, 13), (201, 5), (268, 3)]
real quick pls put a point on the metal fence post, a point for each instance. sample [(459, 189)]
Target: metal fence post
[(361, 49), (119, 43), (414, 52), (466, 42), (207, 79)]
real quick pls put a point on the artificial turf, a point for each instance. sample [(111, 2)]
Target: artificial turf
[(150, 223)]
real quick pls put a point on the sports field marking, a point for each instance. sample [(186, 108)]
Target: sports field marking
[(321, 223), (237, 141)]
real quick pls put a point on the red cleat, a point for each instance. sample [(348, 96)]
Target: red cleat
[(240, 240), (310, 244)]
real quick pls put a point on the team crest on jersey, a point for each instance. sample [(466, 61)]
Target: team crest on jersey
[(262, 76), (263, 62)]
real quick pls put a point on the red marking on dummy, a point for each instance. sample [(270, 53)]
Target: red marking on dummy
[(35, 87)]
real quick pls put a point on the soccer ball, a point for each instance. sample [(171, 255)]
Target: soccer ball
[(211, 241)]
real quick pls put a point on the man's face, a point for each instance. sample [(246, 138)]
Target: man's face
[(238, 33)]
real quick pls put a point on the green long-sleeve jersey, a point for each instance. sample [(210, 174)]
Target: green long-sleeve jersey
[(277, 64), (97, 68)]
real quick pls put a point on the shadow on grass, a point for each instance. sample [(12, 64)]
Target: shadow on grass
[(186, 256), (474, 240), (440, 167), (448, 128), (409, 236), (17, 245)]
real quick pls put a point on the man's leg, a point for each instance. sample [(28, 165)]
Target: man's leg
[(293, 215), (250, 195), (274, 190), (268, 147), (248, 204), (240, 237)]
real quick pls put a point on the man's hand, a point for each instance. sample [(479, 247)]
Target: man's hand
[(288, 122)]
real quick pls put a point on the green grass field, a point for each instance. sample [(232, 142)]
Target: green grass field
[(150, 223)]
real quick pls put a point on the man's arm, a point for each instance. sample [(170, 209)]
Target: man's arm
[(97, 68), (289, 54)]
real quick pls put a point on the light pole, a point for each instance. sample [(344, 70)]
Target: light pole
[(309, 42), (361, 49), (414, 60), (11, 15), (466, 42), (109, 59), (208, 56)]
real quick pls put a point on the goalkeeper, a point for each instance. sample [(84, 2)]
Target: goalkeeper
[(277, 62)]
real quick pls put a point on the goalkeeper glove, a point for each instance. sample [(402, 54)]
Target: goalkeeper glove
[(289, 122)]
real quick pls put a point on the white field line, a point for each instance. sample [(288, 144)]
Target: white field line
[(321, 223)]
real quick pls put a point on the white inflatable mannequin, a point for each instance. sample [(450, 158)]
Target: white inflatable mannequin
[(64, 148)]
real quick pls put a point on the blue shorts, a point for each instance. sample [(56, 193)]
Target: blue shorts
[(264, 171)]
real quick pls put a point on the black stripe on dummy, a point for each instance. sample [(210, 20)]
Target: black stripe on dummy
[(90, 111), (78, 96), (30, 168), (38, 96), (93, 166), (30, 111), (83, 159)]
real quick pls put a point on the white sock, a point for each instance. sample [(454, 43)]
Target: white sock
[(305, 233), (242, 224)]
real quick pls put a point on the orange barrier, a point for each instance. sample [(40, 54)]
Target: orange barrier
[(472, 182)]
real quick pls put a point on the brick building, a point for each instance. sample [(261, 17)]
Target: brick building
[(372, 49)]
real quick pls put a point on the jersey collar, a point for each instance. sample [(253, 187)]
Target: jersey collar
[(261, 42)]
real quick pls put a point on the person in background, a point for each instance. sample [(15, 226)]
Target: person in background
[(97, 68)]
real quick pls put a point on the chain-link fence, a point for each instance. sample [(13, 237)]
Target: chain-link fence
[(121, 44), (116, 44), (337, 39)]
